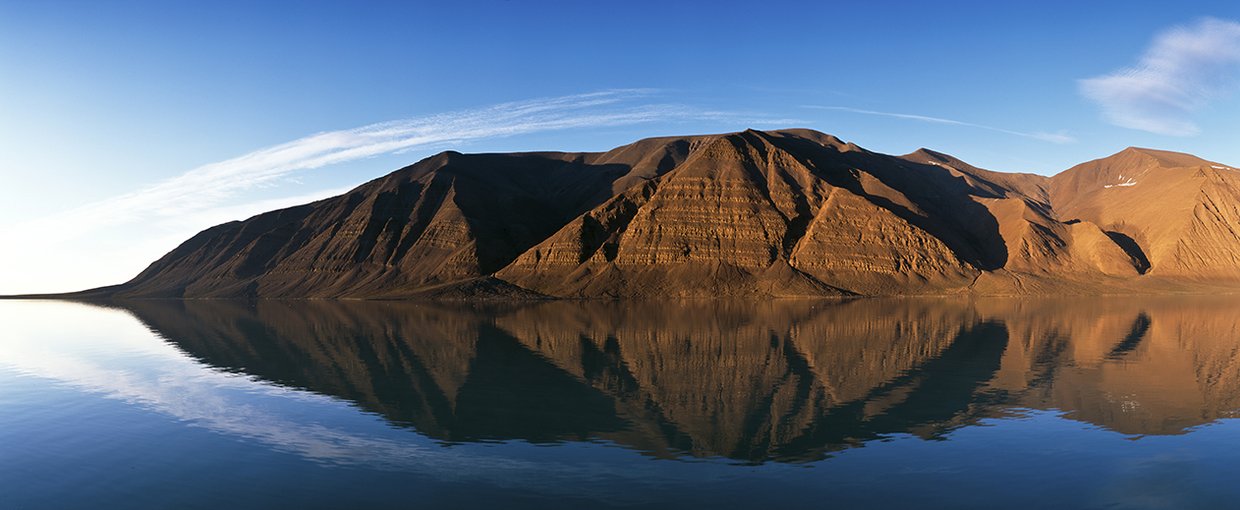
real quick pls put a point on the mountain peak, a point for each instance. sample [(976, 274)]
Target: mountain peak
[(929, 154), (824, 139), (1159, 157)]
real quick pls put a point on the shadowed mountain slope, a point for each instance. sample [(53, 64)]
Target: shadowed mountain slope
[(449, 218)]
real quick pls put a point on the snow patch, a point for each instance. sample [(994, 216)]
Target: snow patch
[(1125, 184)]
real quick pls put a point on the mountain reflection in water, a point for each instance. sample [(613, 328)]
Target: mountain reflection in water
[(779, 381)]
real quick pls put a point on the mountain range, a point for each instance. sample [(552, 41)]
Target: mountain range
[(783, 213)]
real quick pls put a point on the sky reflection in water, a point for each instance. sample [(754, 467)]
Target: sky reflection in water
[(940, 403)]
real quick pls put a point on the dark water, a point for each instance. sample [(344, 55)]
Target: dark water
[(1101, 403)]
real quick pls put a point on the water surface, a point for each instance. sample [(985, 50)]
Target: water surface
[(1098, 403)]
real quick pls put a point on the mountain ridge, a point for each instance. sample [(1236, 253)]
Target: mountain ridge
[(782, 213)]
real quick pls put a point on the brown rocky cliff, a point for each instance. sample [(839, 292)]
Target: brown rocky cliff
[(756, 213), (1176, 213)]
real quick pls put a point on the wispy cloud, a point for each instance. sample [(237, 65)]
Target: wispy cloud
[(211, 184), (1046, 137), (180, 206), (1185, 69)]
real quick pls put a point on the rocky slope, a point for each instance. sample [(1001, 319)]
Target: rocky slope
[(775, 213), (1178, 215)]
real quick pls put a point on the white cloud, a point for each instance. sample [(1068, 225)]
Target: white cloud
[(1185, 69), (110, 240), (1060, 138), (211, 184)]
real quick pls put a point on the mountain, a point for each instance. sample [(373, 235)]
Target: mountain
[(449, 218), (1177, 214), (756, 213)]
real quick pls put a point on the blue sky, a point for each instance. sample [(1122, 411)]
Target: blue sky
[(126, 127)]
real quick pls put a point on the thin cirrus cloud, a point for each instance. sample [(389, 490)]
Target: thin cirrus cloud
[(147, 222), (1183, 71), (1060, 138), (209, 185)]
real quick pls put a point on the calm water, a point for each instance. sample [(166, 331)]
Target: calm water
[(1102, 403)]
